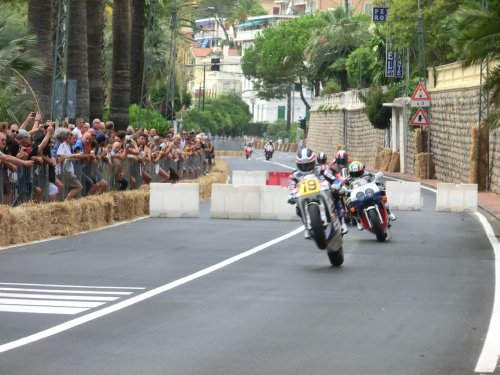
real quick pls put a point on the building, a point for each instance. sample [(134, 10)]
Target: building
[(309, 6)]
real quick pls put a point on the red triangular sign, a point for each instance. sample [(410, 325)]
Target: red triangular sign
[(419, 118), (420, 93)]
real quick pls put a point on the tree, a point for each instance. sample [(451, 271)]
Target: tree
[(359, 67), (95, 53), (476, 39), (78, 67), (402, 28), (276, 60), (120, 70), (40, 23), (137, 50), (329, 47)]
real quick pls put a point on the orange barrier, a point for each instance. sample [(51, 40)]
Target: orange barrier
[(278, 178)]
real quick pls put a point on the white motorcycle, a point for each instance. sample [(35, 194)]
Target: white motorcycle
[(315, 202)]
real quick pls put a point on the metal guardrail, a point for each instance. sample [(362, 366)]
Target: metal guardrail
[(32, 183)]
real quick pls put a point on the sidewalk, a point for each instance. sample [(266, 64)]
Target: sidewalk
[(488, 203)]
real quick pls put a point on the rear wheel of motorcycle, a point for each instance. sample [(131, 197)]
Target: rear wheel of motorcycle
[(317, 232), (377, 227), (336, 258)]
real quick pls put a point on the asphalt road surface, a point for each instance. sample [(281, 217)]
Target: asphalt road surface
[(185, 296)]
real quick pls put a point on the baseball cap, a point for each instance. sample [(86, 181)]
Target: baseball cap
[(23, 133), (101, 138)]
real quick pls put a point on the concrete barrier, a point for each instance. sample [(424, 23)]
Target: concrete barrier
[(273, 204), (404, 195), (249, 178), (179, 200), (456, 198), (235, 202), (250, 202)]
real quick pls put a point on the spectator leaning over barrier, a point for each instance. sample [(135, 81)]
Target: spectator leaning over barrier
[(9, 163), (143, 156), (63, 153), (79, 127), (40, 154), (96, 157), (117, 154)]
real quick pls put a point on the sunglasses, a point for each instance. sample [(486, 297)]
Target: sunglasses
[(14, 131)]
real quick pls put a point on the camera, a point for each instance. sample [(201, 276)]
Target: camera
[(129, 142)]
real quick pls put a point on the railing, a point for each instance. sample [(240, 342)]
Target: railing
[(32, 183)]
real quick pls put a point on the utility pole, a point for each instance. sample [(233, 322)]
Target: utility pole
[(60, 72)]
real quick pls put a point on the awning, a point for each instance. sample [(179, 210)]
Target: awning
[(204, 22), (251, 23)]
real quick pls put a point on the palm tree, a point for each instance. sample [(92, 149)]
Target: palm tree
[(477, 38), (120, 71), (40, 23), (77, 55), (137, 51), (95, 53)]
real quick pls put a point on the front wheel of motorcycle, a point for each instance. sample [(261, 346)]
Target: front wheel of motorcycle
[(317, 231), (377, 227), (336, 257)]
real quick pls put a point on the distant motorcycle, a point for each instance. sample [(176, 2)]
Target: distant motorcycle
[(367, 206), (268, 153), (248, 151), (314, 200)]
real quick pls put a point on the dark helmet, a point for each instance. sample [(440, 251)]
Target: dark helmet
[(356, 169), (322, 158), (305, 160)]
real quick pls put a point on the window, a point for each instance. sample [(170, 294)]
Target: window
[(281, 112)]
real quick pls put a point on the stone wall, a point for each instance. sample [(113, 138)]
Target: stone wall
[(495, 161), (326, 130)]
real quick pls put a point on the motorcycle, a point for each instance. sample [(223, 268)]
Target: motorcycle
[(315, 203), (342, 176), (367, 206), (248, 151), (268, 153)]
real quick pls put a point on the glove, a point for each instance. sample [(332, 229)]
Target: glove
[(291, 199)]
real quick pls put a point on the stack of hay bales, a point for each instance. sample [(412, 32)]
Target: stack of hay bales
[(480, 137), (37, 221), (423, 158)]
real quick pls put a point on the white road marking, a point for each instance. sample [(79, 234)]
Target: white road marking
[(53, 303), (490, 354), (64, 291), (74, 286), (53, 296), (42, 309), (141, 297)]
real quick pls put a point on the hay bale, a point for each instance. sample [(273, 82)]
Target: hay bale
[(385, 159), (218, 175), (378, 158), (421, 136), (4, 225), (394, 165), (421, 166)]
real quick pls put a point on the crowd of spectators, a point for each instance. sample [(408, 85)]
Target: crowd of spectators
[(45, 161)]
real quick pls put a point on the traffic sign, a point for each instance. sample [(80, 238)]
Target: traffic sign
[(419, 119), (420, 97), (379, 14)]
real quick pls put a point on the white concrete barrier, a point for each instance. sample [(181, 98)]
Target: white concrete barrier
[(235, 202), (404, 195), (252, 178), (456, 198), (178, 200), (273, 204)]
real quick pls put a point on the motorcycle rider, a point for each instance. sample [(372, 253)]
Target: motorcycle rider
[(341, 161), (305, 160), (336, 187), (357, 170), (269, 146)]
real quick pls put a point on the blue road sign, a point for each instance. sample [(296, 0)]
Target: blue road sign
[(399, 67), (389, 63), (379, 14)]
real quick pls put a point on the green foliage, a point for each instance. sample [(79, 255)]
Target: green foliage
[(147, 118), (358, 67), (14, 107), (402, 28), (379, 115), (276, 60), (224, 115), (278, 130), (254, 128)]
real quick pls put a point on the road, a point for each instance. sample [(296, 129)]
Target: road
[(183, 296)]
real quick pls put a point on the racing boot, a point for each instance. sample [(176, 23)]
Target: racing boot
[(391, 215), (307, 236), (343, 226), (358, 224)]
